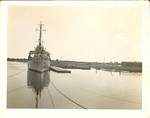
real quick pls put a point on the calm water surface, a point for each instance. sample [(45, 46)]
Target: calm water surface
[(80, 89)]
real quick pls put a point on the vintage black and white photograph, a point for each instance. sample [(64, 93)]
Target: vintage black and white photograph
[(74, 57)]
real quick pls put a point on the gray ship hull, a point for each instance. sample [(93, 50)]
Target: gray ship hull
[(39, 65)]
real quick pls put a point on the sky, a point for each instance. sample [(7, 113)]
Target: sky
[(83, 33)]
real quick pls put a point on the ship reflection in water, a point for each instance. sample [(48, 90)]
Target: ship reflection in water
[(37, 81)]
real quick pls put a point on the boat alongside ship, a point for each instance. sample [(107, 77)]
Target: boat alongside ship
[(39, 59)]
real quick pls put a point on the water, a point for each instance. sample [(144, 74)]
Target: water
[(91, 89)]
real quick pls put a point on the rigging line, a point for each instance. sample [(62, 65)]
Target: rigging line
[(13, 75), (50, 95), (67, 96), (13, 90)]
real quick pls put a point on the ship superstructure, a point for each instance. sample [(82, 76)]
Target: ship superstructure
[(39, 59)]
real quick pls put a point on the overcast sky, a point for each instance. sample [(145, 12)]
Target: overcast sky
[(77, 33)]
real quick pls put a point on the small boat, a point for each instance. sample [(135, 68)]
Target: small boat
[(39, 59)]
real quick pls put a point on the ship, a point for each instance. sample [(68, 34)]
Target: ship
[(39, 59)]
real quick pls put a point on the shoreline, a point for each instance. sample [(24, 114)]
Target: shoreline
[(118, 67)]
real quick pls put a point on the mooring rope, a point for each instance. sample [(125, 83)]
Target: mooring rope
[(50, 95), (13, 90), (13, 75), (58, 90)]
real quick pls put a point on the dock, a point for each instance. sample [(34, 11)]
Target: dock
[(59, 70)]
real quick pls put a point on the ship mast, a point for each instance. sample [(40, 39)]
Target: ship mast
[(40, 36)]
